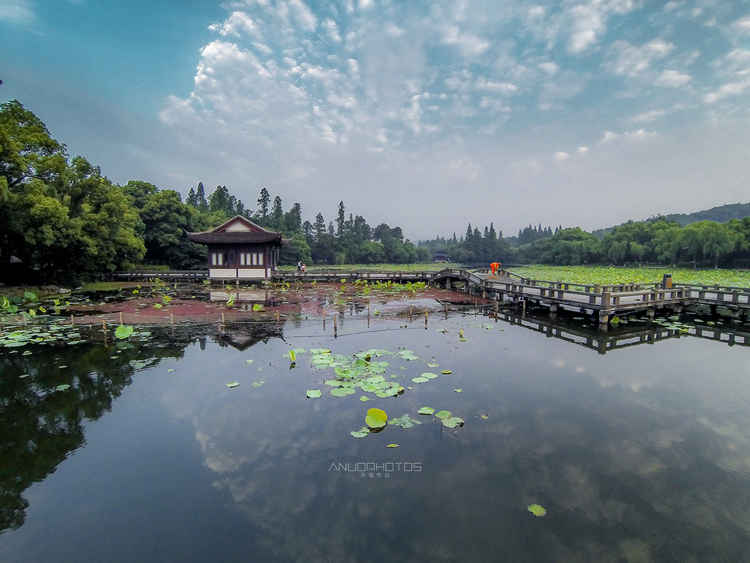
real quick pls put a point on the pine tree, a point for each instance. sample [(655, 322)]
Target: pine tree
[(200, 195)]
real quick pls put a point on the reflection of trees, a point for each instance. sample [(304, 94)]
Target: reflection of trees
[(39, 426)]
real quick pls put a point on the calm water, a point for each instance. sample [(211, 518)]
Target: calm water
[(639, 455)]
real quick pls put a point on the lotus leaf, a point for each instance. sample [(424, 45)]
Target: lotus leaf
[(426, 410), (452, 422), (536, 510), (444, 414), (342, 392), (458, 390), (364, 398), (314, 394), (376, 418), (360, 433), (419, 379), (233, 384), (429, 375), (392, 446), (123, 331)]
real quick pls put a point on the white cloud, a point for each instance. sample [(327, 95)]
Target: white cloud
[(332, 29), (549, 67), (560, 156), (626, 59), (673, 79), (235, 24), (304, 15), (589, 21), (470, 45), (583, 150), (640, 135), (17, 11), (648, 116), (608, 136)]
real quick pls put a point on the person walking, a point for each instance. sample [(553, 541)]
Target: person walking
[(299, 266)]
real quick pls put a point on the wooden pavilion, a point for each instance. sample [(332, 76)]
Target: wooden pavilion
[(240, 250)]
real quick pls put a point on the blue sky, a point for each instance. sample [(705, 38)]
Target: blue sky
[(424, 115)]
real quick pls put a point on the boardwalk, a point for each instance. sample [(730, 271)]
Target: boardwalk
[(603, 301)]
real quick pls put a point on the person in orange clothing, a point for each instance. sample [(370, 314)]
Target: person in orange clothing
[(495, 266)]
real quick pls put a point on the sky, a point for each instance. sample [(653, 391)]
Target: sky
[(425, 115)]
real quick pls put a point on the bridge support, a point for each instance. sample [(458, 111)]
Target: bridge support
[(603, 318)]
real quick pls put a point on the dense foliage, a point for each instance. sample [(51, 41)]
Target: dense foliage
[(656, 241), (63, 219)]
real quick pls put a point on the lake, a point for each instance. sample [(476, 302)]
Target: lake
[(641, 454)]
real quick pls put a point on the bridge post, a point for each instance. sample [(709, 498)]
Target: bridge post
[(603, 319)]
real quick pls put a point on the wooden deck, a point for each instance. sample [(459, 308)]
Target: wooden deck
[(601, 300)]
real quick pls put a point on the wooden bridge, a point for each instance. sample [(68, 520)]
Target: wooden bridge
[(599, 300), (603, 301)]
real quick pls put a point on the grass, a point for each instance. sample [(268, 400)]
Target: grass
[(609, 275)]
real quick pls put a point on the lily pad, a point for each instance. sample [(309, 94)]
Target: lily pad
[(429, 375), (360, 433), (314, 394), (446, 372), (404, 422), (376, 418), (392, 446), (536, 510), (364, 398), (342, 391), (123, 331), (452, 422), (458, 390), (426, 410), (420, 379), (257, 383), (233, 384), (444, 414)]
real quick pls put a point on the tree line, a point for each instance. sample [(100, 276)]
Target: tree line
[(63, 218), (655, 241)]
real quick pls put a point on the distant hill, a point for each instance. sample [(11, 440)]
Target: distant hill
[(720, 214)]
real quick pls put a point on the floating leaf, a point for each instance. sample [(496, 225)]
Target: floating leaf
[(446, 372), (376, 418), (123, 331), (426, 410), (314, 394), (292, 356), (404, 422), (342, 392), (360, 433), (458, 390), (444, 414), (432, 365), (248, 362), (364, 398), (257, 383), (452, 422), (233, 384), (63, 387), (170, 370), (419, 379), (392, 446), (429, 375), (536, 510), (485, 417)]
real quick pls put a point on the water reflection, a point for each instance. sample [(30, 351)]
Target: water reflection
[(46, 395), (643, 455), (637, 332)]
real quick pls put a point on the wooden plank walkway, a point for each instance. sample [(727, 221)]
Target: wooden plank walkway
[(601, 300)]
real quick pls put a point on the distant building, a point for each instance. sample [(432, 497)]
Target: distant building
[(441, 256), (240, 250)]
